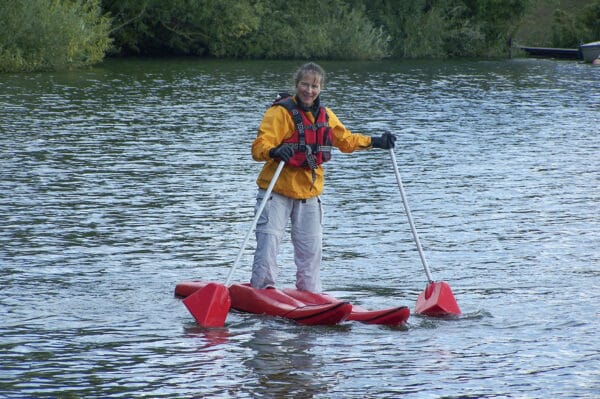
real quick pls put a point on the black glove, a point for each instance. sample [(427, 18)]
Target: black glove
[(282, 151), (386, 141)]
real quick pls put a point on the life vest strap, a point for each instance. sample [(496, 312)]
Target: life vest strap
[(319, 149)]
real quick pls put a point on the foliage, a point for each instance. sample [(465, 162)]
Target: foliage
[(180, 27), (590, 19), (47, 34), (334, 29), (496, 20), (51, 34), (245, 29), (447, 28), (564, 29), (569, 29), (288, 30)]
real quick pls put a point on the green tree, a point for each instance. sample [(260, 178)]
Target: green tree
[(446, 28), (316, 29), (569, 29), (497, 21), (245, 29), (590, 19), (51, 34), (181, 27)]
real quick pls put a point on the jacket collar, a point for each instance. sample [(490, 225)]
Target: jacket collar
[(315, 107)]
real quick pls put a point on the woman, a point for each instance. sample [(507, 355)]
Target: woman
[(299, 131)]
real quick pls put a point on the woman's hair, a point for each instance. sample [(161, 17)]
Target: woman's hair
[(310, 68)]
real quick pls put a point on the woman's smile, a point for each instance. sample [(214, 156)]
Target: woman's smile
[(308, 91)]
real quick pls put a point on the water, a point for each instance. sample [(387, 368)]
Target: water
[(120, 181)]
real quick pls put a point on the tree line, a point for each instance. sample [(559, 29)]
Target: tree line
[(65, 34)]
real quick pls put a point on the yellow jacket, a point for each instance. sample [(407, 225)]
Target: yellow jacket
[(278, 125)]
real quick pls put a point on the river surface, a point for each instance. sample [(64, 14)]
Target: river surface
[(119, 181)]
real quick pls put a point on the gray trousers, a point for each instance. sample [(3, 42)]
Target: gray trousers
[(307, 236)]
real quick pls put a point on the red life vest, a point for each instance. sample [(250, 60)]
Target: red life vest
[(311, 141)]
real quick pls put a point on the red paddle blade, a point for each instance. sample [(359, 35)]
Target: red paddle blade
[(209, 305), (437, 300)]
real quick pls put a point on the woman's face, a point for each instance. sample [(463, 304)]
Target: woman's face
[(308, 89)]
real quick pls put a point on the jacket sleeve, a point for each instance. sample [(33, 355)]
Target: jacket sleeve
[(343, 138), (275, 127)]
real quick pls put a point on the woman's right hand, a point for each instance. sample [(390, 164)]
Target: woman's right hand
[(282, 151)]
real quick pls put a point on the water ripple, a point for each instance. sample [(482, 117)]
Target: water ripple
[(119, 181)]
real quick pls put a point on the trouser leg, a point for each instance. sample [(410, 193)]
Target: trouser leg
[(307, 237), (269, 232), (264, 268)]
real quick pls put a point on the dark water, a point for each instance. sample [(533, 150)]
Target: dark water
[(120, 181)]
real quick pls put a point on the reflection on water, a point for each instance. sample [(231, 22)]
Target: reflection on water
[(284, 364), (212, 336), (119, 181)]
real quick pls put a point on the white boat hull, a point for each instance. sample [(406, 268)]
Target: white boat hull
[(590, 51)]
